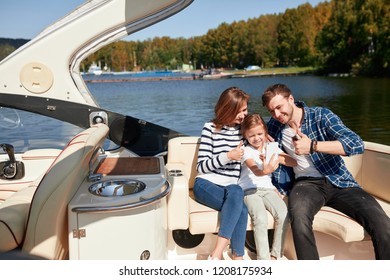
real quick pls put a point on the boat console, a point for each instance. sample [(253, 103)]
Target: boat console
[(123, 214)]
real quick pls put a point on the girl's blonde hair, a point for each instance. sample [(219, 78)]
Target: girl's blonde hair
[(251, 121), (228, 106)]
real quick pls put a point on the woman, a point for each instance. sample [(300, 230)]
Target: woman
[(218, 169)]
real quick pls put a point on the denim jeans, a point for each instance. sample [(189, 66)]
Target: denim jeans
[(229, 201), (310, 194)]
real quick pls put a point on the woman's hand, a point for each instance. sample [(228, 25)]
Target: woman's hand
[(237, 152)]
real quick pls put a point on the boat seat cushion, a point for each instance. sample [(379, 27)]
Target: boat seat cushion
[(198, 218), (204, 219), (13, 217), (47, 225), (339, 225), (190, 214)]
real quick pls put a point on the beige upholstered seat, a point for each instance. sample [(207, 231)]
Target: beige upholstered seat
[(13, 218), (16, 198), (47, 227), (185, 213)]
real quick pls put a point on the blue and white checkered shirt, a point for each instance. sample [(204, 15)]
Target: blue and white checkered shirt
[(321, 124)]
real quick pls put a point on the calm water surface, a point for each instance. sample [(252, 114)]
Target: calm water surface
[(184, 105)]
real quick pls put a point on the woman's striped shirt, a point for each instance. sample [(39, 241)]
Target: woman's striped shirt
[(213, 162)]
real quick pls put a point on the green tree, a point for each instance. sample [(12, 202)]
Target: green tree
[(196, 55), (356, 38), (218, 46), (338, 36), (5, 50), (262, 40), (296, 36)]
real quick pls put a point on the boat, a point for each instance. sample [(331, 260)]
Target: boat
[(213, 74), (120, 189), (94, 69), (252, 68)]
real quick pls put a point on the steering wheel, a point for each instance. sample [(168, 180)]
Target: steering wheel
[(9, 118)]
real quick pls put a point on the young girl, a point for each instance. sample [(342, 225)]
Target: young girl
[(219, 164), (256, 173)]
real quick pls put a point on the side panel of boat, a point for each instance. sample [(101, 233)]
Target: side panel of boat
[(133, 234)]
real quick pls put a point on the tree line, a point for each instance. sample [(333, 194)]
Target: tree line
[(7, 46), (337, 36)]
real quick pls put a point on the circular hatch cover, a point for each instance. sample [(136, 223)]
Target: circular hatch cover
[(36, 77)]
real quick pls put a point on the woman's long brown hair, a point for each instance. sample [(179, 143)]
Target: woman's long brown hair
[(228, 106)]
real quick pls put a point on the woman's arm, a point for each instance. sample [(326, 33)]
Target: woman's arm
[(212, 156)]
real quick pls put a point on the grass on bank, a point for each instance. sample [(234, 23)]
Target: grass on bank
[(276, 70)]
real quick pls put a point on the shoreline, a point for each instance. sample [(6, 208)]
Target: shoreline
[(101, 79)]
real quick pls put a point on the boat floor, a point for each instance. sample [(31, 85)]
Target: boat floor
[(202, 251)]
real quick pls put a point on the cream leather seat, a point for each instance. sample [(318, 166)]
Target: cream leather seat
[(184, 212), (16, 196), (46, 233), (13, 218), (47, 225)]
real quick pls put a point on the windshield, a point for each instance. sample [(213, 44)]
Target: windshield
[(27, 131)]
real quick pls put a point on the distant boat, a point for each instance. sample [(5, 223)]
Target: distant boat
[(252, 68), (213, 73), (94, 69)]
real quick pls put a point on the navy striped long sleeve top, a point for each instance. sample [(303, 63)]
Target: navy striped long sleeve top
[(213, 163)]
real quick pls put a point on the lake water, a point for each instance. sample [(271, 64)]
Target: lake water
[(184, 105)]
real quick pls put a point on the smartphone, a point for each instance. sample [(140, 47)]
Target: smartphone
[(271, 149), (291, 132), (296, 137)]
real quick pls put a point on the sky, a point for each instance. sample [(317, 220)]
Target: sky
[(24, 19)]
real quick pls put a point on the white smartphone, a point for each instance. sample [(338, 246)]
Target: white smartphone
[(271, 149)]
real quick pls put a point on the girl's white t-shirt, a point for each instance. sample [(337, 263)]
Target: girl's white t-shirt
[(248, 180)]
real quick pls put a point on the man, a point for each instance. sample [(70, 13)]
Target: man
[(317, 139)]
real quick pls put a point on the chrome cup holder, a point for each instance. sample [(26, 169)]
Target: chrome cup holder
[(117, 188), (175, 172)]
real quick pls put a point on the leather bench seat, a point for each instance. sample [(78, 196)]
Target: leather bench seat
[(185, 213), (34, 217), (13, 218)]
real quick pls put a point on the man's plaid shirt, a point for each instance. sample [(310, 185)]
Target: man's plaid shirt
[(321, 124)]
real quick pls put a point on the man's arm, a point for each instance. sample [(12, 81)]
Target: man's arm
[(305, 146), (332, 138), (351, 143)]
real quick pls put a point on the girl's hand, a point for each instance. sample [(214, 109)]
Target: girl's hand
[(279, 194), (273, 164)]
